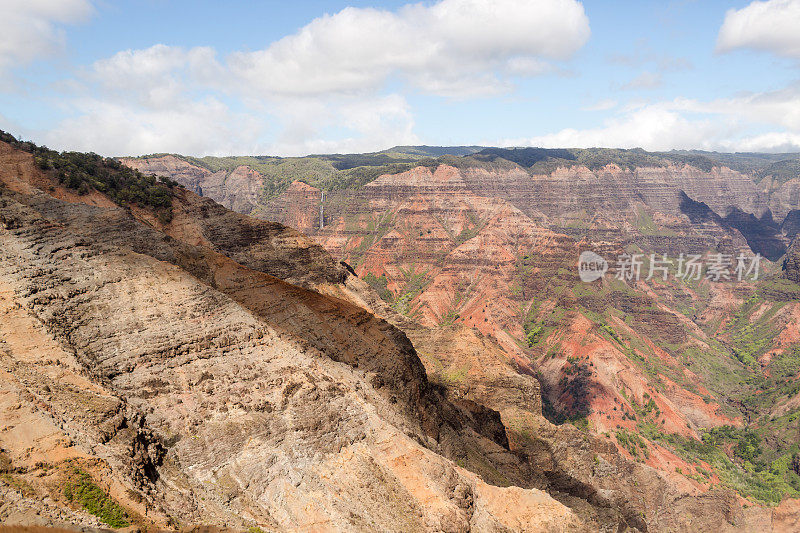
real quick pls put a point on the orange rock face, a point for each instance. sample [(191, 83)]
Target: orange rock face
[(187, 385), (496, 251), (478, 264)]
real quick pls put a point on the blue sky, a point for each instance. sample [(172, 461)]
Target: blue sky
[(291, 78)]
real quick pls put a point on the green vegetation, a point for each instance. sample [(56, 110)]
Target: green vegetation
[(761, 460), (449, 318), (752, 338), (379, 283), (544, 161), (351, 171), (781, 167), (647, 226), (745, 469), (414, 283), (532, 334), (779, 290), (597, 158), (633, 443), (471, 229), (644, 222), (608, 329), (84, 172), (780, 171), (534, 330), (785, 366), (376, 227), (473, 226), (648, 408), (749, 162), (431, 151), (328, 172), (81, 489)]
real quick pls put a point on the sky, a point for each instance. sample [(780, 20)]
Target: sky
[(324, 76)]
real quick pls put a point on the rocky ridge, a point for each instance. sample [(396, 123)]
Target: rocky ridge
[(225, 270), (239, 189), (439, 243), (791, 264), (204, 368)]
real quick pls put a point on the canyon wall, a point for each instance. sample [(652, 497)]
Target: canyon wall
[(476, 264)]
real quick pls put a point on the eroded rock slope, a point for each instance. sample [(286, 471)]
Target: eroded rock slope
[(217, 369), (196, 390)]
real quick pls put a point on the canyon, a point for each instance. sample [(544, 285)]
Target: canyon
[(423, 357), (482, 249)]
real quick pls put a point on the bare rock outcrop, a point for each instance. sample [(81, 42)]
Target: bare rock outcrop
[(219, 394), (791, 263), (239, 189), (223, 370)]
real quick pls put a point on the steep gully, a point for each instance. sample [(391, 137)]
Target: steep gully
[(438, 216)]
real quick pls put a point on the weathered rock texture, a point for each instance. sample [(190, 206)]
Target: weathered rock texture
[(224, 370), (239, 189), (220, 394), (791, 264), (487, 257)]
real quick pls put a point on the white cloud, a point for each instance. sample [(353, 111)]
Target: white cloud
[(772, 26), (651, 128), (780, 108), (158, 99), (361, 124), (322, 88), (768, 142), (453, 48), (111, 127), (132, 68), (645, 80), (159, 75), (727, 124), (31, 28), (170, 99)]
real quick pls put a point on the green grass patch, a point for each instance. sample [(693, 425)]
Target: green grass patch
[(752, 338), (744, 470), (633, 443), (82, 489)]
